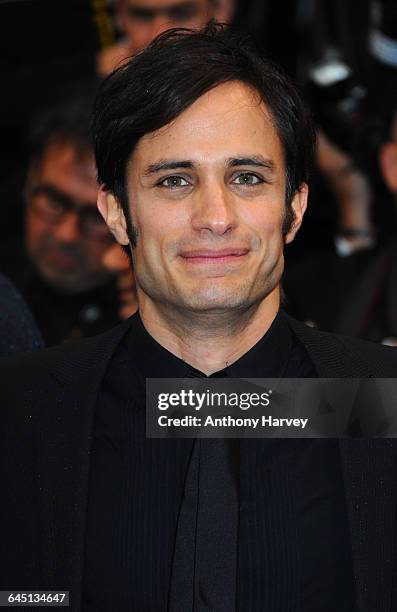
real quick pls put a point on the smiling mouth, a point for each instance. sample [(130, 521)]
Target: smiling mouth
[(212, 256)]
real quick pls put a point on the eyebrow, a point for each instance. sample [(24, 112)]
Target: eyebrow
[(175, 164), (164, 164), (255, 160), (58, 195)]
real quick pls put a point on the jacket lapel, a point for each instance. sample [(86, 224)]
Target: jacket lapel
[(370, 473), (64, 443)]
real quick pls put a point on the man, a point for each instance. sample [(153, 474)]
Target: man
[(355, 293), (203, 172), (58, 268), (140, 21)]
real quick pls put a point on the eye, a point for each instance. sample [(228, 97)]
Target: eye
[(182, 13), (247, 178), (140, 14), (173, 182), (50, 205), (56, 205)]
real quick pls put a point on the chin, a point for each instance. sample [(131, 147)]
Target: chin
[(217, 303), (68, 284), (217, 299)]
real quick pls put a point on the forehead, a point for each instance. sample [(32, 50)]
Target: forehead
[(155, 5), (71, 172), (225, 122)]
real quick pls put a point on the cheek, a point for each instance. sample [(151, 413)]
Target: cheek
[(94, 252), (36, 231), (157, 229), (139, 36), (266, 227)]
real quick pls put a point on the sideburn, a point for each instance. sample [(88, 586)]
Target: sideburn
[(132, 230), (288, 219)]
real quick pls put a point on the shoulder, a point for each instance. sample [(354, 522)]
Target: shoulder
[(28, 377), (374, 353), (30, 374), (9, 296), (18, 330), (337, 355)]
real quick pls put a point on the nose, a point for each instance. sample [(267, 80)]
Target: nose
[(214, 211), (67, 230)]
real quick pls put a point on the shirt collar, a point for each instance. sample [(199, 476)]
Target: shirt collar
[(268, 358)]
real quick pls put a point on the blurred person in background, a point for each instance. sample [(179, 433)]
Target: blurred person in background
[(336, 68), (140, 21), (353, 192), (342, 83), (119, 264), (58, 267), (354, 294)]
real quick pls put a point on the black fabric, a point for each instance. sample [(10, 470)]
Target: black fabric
[(59, 317), (204, 572), (156, 497), (48, 402), (207, 580), (18, 330), (354, 295)]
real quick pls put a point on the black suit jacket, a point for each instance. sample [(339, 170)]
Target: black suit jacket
[(48, 402)]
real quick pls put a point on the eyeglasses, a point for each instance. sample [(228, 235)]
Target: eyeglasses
[(52, 206)]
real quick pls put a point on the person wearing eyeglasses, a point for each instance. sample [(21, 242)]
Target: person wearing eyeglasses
[(58, 268)]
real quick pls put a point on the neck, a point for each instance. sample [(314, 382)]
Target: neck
[(209, 342)]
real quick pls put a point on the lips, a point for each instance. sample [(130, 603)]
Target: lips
[(62, 260), (213, 255)]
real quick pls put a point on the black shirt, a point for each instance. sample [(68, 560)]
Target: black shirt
[(294, 544)]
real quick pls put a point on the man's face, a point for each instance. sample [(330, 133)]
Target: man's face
[(207, 197), (142, 20), (65, 236)]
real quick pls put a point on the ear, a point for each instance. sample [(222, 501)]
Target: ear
[(298, 206), (112, 211), (388, 164)]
